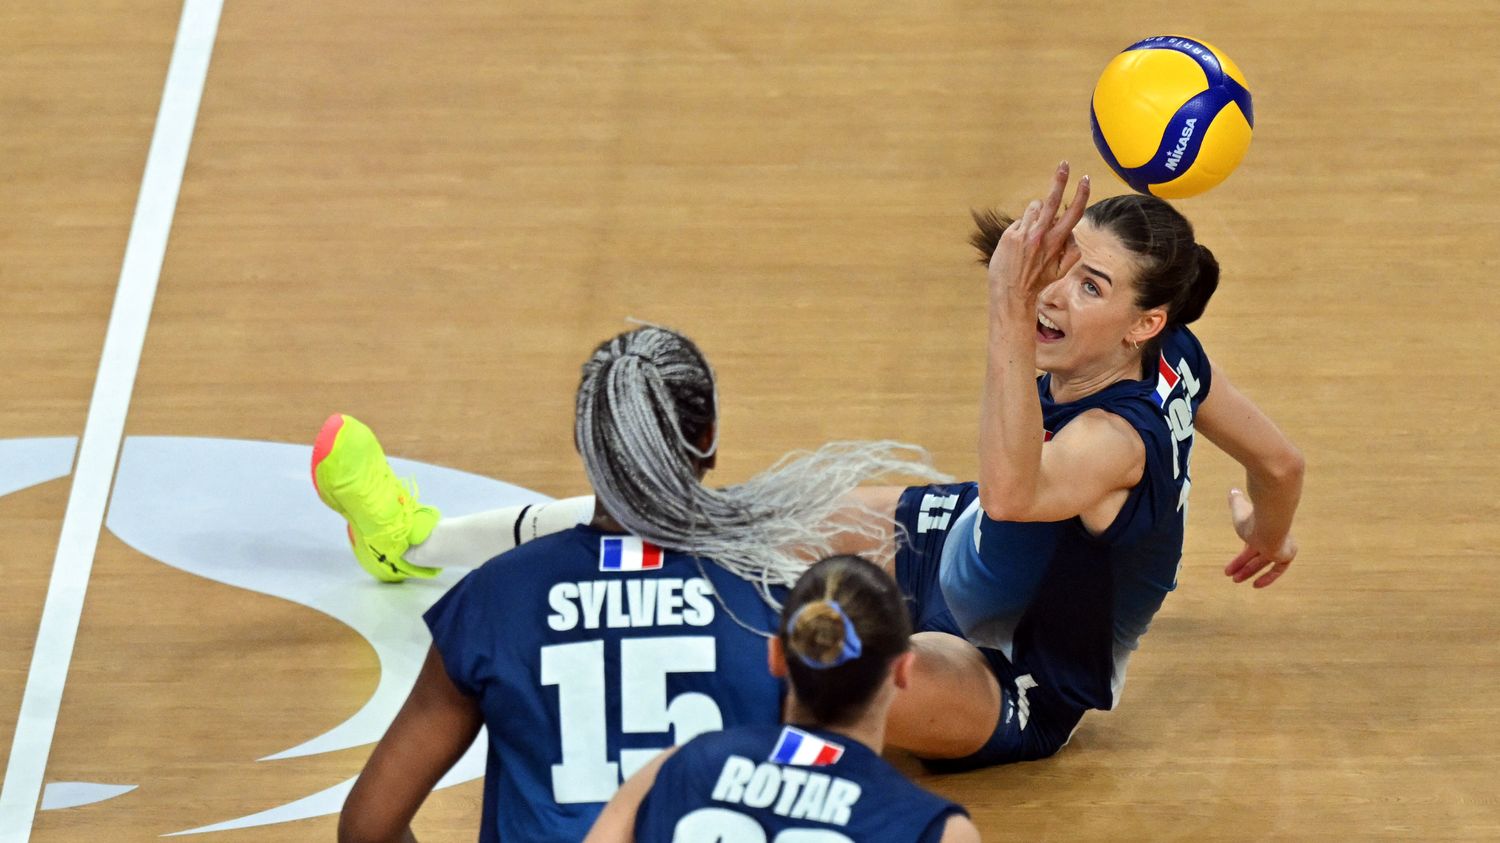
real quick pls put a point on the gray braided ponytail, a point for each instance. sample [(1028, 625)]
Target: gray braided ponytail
[(646, 398)]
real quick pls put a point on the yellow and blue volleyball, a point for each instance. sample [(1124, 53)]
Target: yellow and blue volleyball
[(1172, 116)]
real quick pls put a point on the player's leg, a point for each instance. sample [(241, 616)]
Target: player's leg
[(866, 523), (965, 708), (394, 536), (470, 540), (951, 703), (953, 699), (1032, 720)]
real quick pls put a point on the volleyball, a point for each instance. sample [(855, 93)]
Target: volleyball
[(1171, 116)]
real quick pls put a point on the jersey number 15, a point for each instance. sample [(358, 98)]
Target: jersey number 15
[(586, 774)]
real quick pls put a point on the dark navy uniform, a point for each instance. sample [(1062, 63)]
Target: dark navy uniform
[(589, 653), (1057, 610), (762, 784)]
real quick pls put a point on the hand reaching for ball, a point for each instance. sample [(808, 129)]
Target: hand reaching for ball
[(1038, 248)]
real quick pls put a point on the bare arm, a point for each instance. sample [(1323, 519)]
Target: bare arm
[(1273, 477), (431, 732), (1087, 469), (960, 829), (1010, 417), (1017, 482), (616, 824)]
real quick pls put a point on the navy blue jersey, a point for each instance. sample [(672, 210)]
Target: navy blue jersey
[(589, 653), (756, 783), (1089, 598)]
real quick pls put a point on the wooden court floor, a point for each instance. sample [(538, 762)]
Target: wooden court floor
[(425, 214)]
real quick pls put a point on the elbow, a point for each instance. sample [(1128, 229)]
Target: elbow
[(1289, 467), (1001, 506), (349, 830), (355, 829)]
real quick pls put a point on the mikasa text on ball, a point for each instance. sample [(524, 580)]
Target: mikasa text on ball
[(1172, 116)]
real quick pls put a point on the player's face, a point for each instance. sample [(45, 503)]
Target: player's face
[(1083, 317)]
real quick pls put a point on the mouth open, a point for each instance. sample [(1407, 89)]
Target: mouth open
[(1047, 330)]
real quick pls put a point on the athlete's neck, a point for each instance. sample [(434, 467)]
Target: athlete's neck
[(868, 730), (1071, 386), (603, 521)]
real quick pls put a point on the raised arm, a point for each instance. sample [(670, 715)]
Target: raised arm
[(1273, 478), (1092, 458), (431, 732)]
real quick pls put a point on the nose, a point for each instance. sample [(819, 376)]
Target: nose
[(1051, 295)]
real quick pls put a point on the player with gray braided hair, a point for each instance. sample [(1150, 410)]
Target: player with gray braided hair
[(647, 407), (588, 650)]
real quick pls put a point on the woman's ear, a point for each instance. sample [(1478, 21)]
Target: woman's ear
[(901, 669), (775, 658), (1150, 323)]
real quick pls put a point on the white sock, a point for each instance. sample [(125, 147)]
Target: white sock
[(471, 540)]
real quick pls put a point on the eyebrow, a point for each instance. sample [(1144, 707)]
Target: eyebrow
[(1096, 271)]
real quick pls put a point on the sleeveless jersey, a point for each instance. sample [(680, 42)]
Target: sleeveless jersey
[(763, 784), (1097, 594), (589, 653)]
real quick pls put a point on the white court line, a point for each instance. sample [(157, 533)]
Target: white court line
[(102, 432)]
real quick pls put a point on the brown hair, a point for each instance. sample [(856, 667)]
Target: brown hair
[(843, 624)]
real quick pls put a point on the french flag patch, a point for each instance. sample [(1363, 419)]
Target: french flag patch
[(1166, 380), (628, 553), (804, 750)]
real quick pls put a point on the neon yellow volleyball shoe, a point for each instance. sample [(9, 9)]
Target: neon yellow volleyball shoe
[(353, 478)]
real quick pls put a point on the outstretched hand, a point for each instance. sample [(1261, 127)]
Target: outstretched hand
[(1258, 553), (1038, 248)]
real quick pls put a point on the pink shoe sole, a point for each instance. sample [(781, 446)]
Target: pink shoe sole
[(324, 443)]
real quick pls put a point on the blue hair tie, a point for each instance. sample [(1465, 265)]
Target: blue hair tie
[(852, 645)]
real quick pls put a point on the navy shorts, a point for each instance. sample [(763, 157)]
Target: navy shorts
[(1034, 722), (926, 515)]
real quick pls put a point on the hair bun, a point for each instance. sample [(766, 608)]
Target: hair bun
[(1201, 290), (822, 636)]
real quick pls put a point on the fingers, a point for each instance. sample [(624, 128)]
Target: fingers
[(1075, 210), (1254, 565), (1013, 243), (1249, 563), (1239, 503), (1054, 196), (1240, 507), (1042, 241), (1021, 227), (1032, 222), (1059, 228), (1239, 561), (1241, 513), (1272, 575)]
